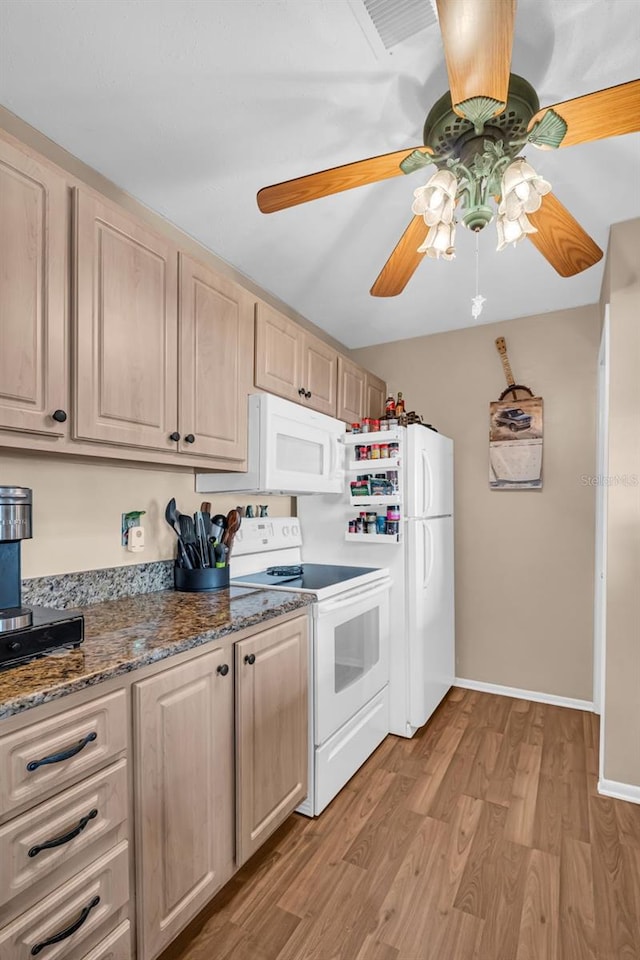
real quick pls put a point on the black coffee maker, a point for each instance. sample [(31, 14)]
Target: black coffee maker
[(26, 632)]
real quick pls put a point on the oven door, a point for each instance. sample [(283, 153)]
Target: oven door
[(351, 654)]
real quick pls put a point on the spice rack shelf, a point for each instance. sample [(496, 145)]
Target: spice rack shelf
[(381, 500), (378, 538), (373, 466), (381, 436)]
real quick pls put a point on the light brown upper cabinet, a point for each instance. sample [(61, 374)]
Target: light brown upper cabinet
[(278, 360), (351, 391), (293, 363), (216, 363), (375, 396), (34, 383), (271, 731), (319, 374), (126, 329)]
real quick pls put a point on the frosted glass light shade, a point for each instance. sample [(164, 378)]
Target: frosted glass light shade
[(440, 241), (436, 201), (522, 190), (511, 231)]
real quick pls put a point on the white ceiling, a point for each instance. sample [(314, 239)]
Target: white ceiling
[(193, 105)]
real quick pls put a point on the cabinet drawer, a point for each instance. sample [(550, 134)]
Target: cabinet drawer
[(76, 820), (116, 946), (80, 908), (50, 754)]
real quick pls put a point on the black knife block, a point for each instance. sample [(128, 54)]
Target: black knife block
[(200, 580)]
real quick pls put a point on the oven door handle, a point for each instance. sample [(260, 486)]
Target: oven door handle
[(356, 597)]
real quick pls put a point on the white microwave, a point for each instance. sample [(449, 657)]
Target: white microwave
[(292, 450)]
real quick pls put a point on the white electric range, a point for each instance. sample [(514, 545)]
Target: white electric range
[(349, 651)]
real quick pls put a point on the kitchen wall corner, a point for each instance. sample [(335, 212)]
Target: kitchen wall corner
[(524, 559)]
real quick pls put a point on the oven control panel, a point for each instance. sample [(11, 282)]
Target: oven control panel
[(263, 534)]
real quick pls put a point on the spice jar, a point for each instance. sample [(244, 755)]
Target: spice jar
[(365, 426), (375, 426), (375, 451), (355, 428), (384, 451)]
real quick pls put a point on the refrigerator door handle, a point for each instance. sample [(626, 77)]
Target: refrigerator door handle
[(427, 482), (428, 557)]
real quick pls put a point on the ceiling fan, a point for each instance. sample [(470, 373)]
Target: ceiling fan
[(474, 135)]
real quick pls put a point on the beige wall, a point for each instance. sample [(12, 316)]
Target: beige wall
[(524, 559), (77, 507), (622, 661)]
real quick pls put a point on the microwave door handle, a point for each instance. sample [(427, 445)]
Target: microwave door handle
[(328, 606), (333, 456)]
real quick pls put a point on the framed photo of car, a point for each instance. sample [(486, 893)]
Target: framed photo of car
[(515, 444)]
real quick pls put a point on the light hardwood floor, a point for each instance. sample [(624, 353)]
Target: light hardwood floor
[(483, 838)]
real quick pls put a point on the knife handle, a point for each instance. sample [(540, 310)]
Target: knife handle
[(184, 556)]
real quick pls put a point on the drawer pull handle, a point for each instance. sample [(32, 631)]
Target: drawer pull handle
[(69, 931), (250, 659), (67, 836), (65, 755)]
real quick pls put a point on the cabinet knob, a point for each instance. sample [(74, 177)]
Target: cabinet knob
[(189, 438), (223, 669), (250, 659), (59, 416), (301, 392), (308, 394), (175, 436)]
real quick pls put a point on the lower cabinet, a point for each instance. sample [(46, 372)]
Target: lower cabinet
[(195, 822), (183, 722), (271, 731)]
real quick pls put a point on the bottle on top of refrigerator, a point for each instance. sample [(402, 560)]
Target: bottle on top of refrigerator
[(399, 405)]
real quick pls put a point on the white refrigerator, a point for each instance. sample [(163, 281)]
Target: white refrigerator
[(422, 653)]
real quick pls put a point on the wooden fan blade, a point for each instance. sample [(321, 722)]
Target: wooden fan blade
[(561, 239), (605, 113), (322, 184), (478, 39), (402, 263)]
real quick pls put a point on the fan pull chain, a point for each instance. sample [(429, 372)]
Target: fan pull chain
[(478, 300)]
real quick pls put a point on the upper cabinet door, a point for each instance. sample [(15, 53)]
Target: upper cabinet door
[(126, 347), (216, 363), (279, 350), (351, 398), (319, 375), (375, 396), (33, 303)]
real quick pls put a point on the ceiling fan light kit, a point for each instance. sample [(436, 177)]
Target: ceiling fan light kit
[(474, 135)]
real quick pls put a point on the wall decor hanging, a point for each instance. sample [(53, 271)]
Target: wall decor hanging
[(515, 434)]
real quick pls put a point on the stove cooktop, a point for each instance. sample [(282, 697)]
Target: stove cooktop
[(314, 576)]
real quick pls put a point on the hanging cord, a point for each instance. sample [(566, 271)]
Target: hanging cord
[(478, 300)]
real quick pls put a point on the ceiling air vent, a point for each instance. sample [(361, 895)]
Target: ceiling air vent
[(397, 20)]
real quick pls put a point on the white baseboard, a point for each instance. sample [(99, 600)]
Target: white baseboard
[(620, 791), (519, 694)]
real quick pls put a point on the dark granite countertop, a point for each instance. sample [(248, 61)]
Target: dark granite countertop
[(125, 634)]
